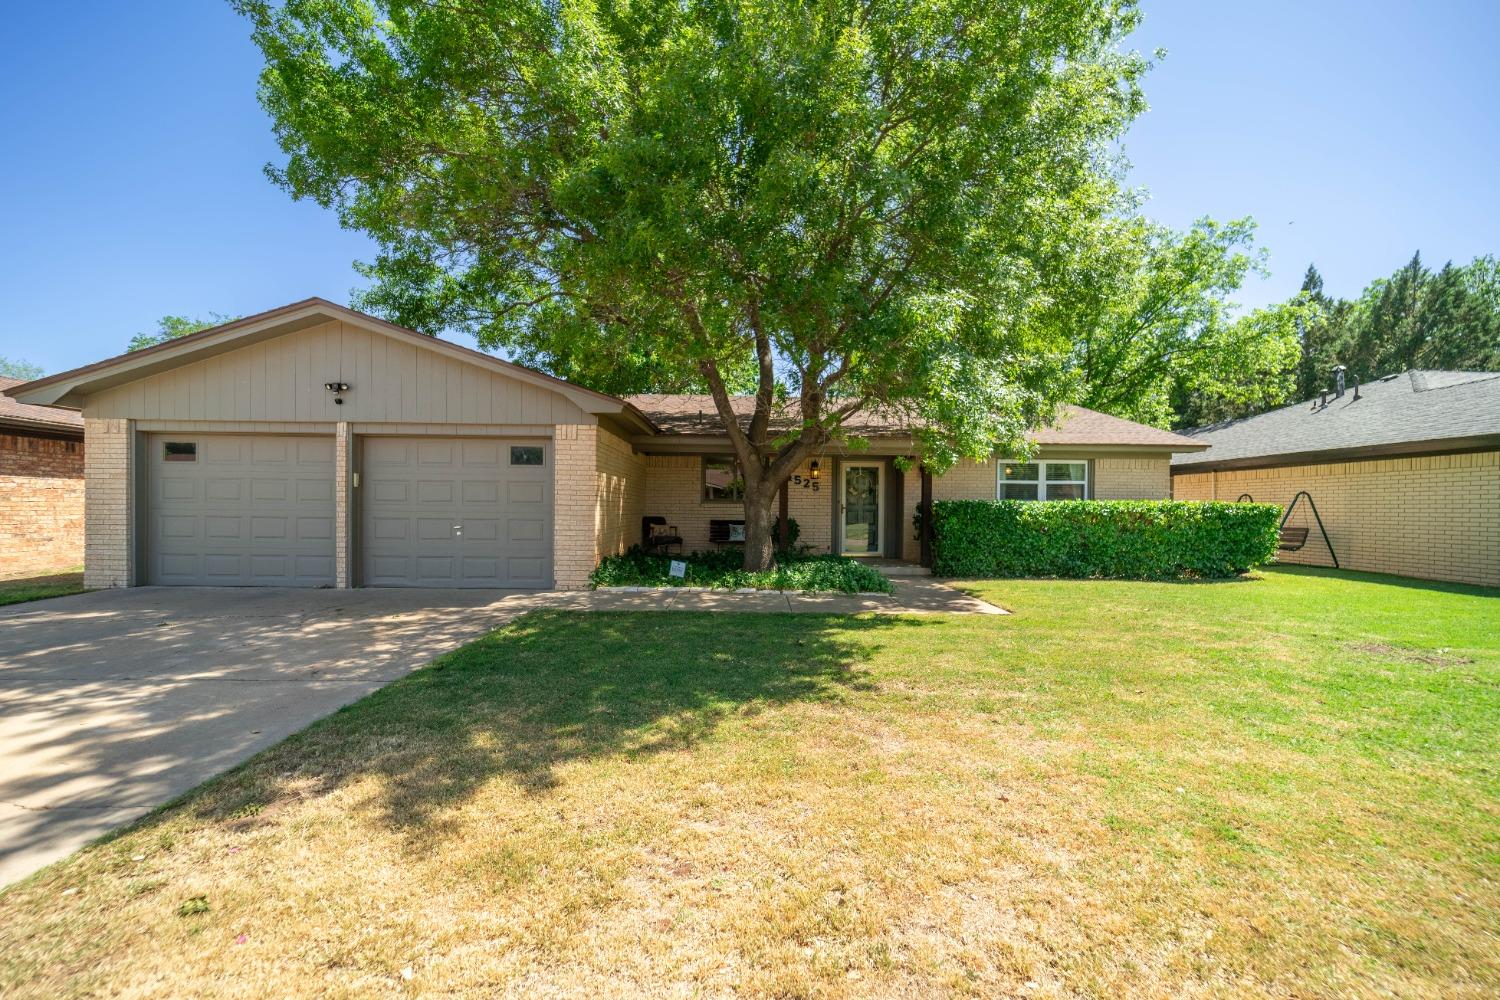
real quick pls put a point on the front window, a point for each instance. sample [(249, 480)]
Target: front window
[(1043, 481), (722, 481)]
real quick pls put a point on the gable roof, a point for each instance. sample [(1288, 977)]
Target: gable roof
[(23, 416), (71, 387), (1411, 413), (1076, 426)]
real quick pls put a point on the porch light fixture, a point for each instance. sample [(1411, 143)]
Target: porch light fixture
[(813, 471), (336, 388)]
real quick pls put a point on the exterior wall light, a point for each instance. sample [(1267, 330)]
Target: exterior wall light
[(814, 469), (336, 388)]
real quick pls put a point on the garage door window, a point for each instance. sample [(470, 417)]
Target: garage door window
[(180, 451), (525, 454)]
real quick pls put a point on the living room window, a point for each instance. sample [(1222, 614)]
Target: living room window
[(1042, 480), (722, 481)]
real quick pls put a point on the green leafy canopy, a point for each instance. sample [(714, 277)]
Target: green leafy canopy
[(839, 205)]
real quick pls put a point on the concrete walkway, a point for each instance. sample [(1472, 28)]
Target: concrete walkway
[(116, 701)]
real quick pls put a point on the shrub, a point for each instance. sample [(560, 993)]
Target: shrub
[(724, 569), (1115, 539)]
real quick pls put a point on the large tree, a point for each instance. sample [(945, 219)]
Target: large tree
[(841, 205), (1159, 341)]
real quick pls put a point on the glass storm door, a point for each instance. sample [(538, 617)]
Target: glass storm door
[(861, 509)]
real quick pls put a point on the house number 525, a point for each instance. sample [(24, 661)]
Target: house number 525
[(806, 482)]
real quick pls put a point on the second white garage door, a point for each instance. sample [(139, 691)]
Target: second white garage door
[(455, 512)]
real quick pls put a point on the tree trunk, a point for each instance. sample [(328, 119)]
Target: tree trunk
[(760, 526)]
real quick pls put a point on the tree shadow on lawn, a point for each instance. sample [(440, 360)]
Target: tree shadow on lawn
[(547, 690), (1385, 580)]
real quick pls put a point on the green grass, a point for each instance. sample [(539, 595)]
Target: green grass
[(724, 570), (38, 587), (1287, 786)]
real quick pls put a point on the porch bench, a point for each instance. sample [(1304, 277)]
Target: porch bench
[(721, 532)]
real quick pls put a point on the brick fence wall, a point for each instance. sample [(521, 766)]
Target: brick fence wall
[(1434, 516), (41, 504)]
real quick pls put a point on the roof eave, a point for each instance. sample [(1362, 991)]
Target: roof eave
[(71, 388), (1400, 449)]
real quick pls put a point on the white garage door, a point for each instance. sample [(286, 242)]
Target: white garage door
[(239, 510), (455, 512)]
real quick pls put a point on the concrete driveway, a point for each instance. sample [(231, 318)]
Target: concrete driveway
[(113, 702)]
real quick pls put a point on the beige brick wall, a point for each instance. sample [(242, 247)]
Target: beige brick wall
[(41, 504), (1436, 517), (109, 471), (620, 494), (574, 489), (1132, 478), (674, 485)]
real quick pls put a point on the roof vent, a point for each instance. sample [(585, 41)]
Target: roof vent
[(1338, 381)]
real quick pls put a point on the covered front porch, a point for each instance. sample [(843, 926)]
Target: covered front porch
[(857, 505)]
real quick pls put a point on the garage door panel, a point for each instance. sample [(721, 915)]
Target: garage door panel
[(240, 511), (221, 451), (525, 529), (222, 489), (314, 491), (525, 493), (435, 453), (478, 491), (390, 528), (429, 492), (177, 489), (312, 529), (438, 514), (481, 453), (384, 491)]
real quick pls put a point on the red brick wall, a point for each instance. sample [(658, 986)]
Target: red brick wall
[(41, 504)]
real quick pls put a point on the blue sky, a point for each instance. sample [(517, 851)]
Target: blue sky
[(1354, 132)]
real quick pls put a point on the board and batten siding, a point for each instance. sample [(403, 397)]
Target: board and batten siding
[(282, 380)]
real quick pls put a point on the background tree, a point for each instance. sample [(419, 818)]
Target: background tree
[(1413, 319), (1158, 341), (18, 368), (858, 204), (172, 327)]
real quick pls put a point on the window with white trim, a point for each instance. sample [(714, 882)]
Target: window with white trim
[(1042, 480)]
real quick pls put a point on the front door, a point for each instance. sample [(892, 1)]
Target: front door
[(861, 510)]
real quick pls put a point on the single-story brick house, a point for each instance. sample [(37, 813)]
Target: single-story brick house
[(1404, 472), (41, 487), (313, 445)]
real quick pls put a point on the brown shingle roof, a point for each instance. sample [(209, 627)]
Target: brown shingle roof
[(1076, 426), (45, 418)]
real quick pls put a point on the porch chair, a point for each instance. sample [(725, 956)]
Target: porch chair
[(659, 536)]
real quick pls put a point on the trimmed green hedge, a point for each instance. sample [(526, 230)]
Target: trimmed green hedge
[(1114, 539)]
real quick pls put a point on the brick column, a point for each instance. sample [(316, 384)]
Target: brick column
[(575, 539), (109, 503), (343, 504)]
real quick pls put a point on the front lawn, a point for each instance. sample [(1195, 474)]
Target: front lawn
[(1275, 787), (725, 570), (35, 588)]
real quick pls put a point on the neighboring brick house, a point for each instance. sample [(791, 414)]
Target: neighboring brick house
[(1404, 472), (41, 487), (313, 445)]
